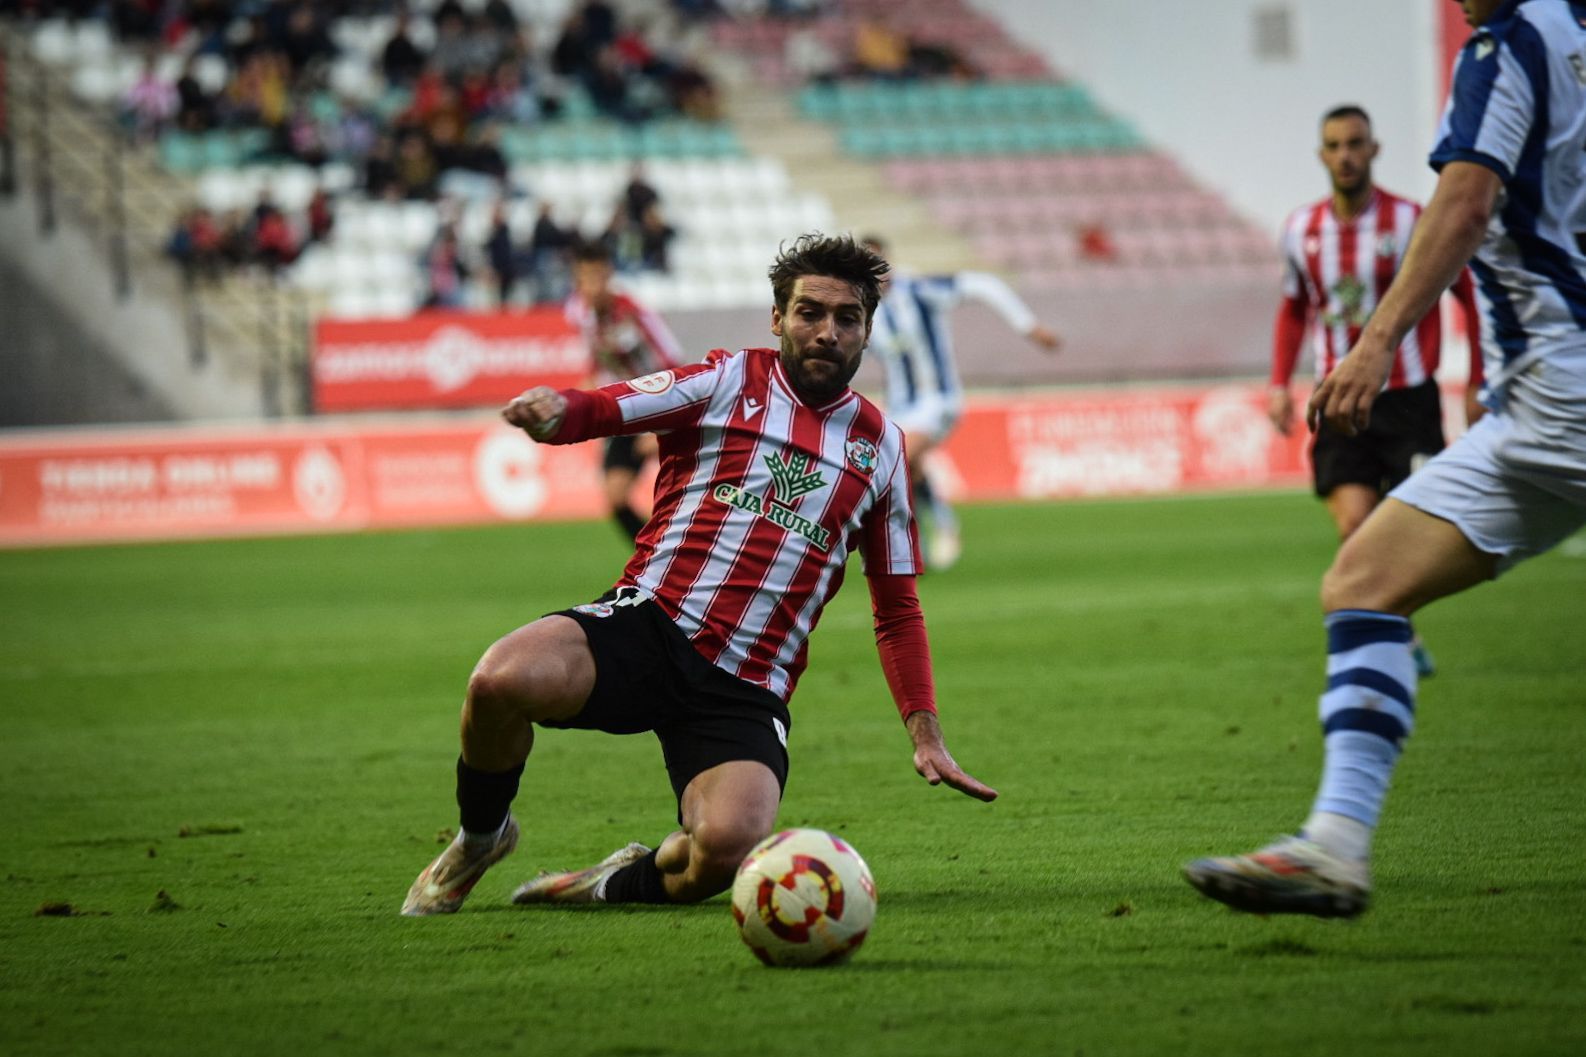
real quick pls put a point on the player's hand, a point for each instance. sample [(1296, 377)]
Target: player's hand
[(936, 765), (1280, 409), (1045, 337), (1474, 408), (1345, 396), (646, 446), (538, 412)]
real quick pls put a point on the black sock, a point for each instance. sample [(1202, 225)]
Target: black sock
[(483, 797), (637, 882), (629, 519)]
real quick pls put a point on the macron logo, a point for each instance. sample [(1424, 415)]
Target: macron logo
[(751, 408), (1484, 49)]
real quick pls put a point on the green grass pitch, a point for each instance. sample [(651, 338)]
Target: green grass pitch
[(230, 759)]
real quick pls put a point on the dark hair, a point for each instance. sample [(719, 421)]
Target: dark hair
[(836, 256), (591, 251), (1347, 110)]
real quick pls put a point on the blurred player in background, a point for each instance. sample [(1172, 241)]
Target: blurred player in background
[(772, 470), (1339, 256), (1511, 173), (625, 340), (914, 335)]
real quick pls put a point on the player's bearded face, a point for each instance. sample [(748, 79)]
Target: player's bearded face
[(823, 335)]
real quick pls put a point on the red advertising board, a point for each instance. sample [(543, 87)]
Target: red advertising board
[(443, 359), (337, 476)]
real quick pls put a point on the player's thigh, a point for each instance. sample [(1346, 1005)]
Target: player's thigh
[(1400, 559), (545, 668), (730, 807)]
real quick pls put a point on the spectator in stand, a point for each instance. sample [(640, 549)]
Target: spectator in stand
[(620, 240), (501, 254), (510, 98), (151, 102), (444, 269), (401, 60), (550, 246), (500, 18), (318, 216), (416, 170), (195, 109), (880, 51), (457, 49), (304, 40), (195, 246), (484, 155), (655, 238), (274, 245), (609, 90), (380, 178), (693, 93), (639, 194)]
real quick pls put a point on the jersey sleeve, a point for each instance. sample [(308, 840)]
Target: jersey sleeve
[(888, 537), (990, 290), (902, 643), (1492, 106), (665, 400)]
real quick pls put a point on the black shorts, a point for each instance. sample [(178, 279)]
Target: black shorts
[(648, 676), (1405, 424), (621, 454)]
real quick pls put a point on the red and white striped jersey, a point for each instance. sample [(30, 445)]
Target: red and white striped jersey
[(1338, 270), (626, 340), (758, 502)]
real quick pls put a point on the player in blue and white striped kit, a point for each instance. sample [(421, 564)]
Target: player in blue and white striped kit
[(913, 334), (1511, 158)]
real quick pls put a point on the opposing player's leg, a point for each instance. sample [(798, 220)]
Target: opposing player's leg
[(1401, 559), (544, 671)]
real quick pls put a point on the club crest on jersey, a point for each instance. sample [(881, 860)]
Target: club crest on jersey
[(861, 455), (654, 384), (1387, 245)]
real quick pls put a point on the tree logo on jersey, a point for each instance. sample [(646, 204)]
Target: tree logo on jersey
[(1349, 293), (654, 384), (861, 455), (1387, 245), (792, 476)]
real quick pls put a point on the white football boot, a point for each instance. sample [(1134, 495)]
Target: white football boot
[(1290, 876), (579, 886), (446, 882)]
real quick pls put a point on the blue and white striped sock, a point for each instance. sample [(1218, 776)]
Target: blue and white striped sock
[(1367, 712)]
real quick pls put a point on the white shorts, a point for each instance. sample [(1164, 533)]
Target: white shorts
[(932, 414), (1515, 484)]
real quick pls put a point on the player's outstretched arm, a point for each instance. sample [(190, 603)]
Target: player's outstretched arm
[(538, 412), (935, 764), (1449, 231)]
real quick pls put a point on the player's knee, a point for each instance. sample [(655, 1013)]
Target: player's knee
[(1349, 583), (716, 850), (500, 682)]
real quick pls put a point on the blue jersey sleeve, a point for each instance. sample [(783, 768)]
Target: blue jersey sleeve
[(1498, 86)]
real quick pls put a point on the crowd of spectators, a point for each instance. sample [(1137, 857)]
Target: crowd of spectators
[(438, 90), (205, 246)]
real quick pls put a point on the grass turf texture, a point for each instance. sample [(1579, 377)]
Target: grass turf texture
[(230, 759)]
